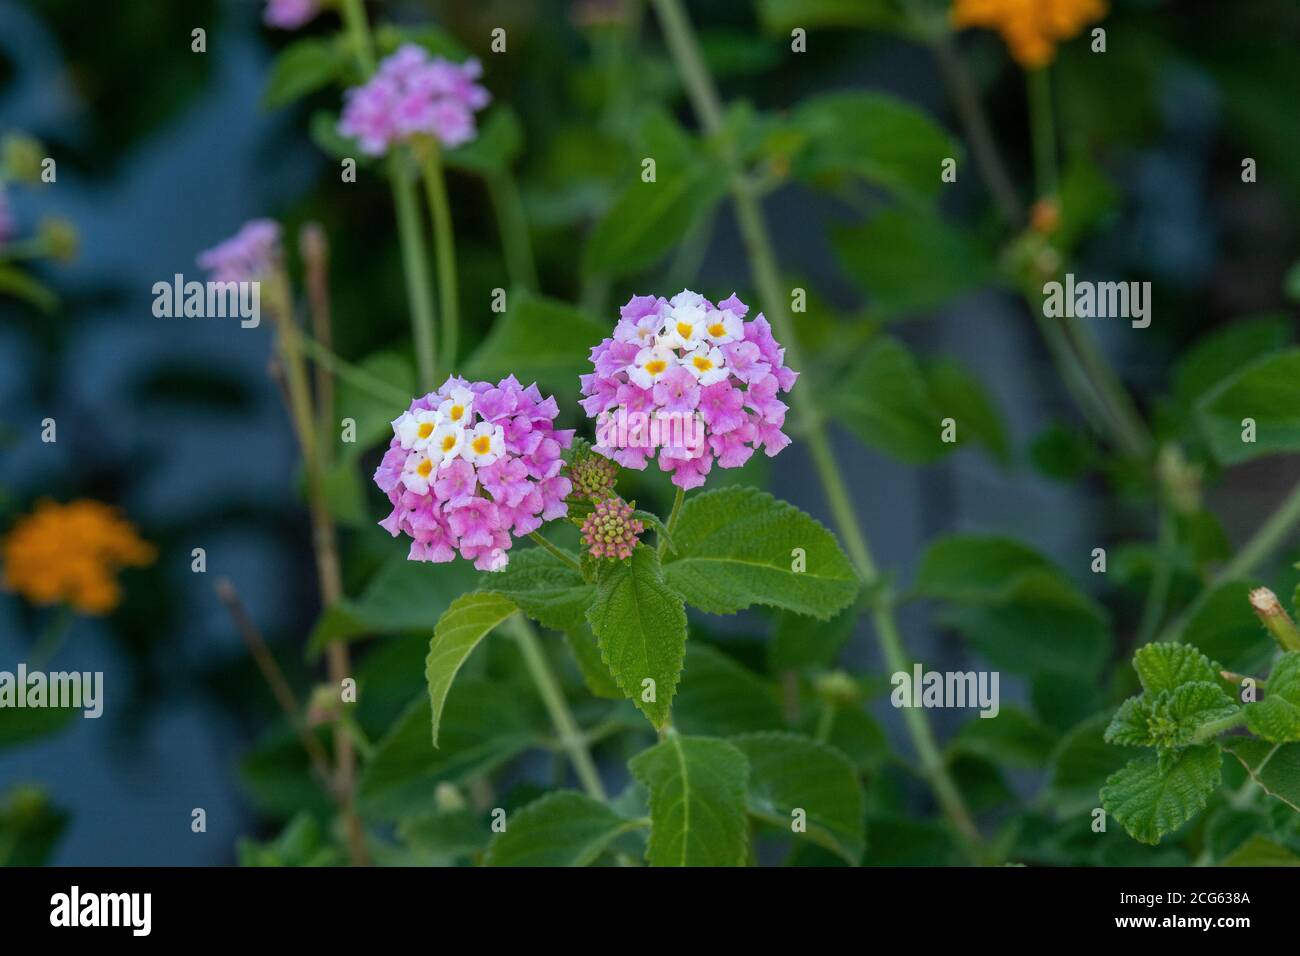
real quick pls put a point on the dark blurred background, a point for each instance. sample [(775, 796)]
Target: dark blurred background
[(163, 152)]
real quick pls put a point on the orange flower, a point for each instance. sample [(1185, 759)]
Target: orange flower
[(72, 553), (1030, 28)]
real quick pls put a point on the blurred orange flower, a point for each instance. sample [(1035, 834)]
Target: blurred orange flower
[(1030, 28), (71, 553)]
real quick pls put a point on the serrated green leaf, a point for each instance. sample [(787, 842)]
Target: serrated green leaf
[(1080, 765), (447, 833), (719, 697), (1275, 767), (959, 395), (1151, 801), (1013, 737), (1131, 726), (1014, 606), (303, 67), (799, 642), (737, 547), (469, 619), (912, 261), (884, 140), (545, 588), (697, 801), (1170, 718), (561, 829), (649, 218), (1163, 667), (537, 340), (788, 772), (1276, 718), (640, 625), (595, 673), (1225, 351), (1267, 391), (1261, 851), (886, 402), (483, 725)]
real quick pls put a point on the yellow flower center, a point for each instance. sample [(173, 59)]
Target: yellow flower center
[(717, 329), (424, 468), (456, 412), (702, 363), (481, 444), (425, 430), (656, 366), (448, 442), (685, 329)]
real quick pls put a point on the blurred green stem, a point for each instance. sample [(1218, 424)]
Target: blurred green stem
[(444, 248), (708, 108), (671, 526), (357, 377), (419, 294), (564, 558), (570, 737), (503, 192), (1262, 543), (1042, 122), (51, 639), (1165, 555)]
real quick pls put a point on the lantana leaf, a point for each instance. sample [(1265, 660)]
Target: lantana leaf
[(1151, 801), (737, 547), (467, 621), (560, 829)]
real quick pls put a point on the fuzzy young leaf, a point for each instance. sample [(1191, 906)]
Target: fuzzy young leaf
[(1163, 667), (1151, 801), (560, 829), (1276, 718), (737, 547), (469, 619), (697, 801), (1170, 718), (640, 625), (789, 772)]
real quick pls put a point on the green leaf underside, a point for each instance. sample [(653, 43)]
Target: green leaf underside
[(697, 802), (1276, 718), (483, 725), (1151, 801), (1275, 767), (561, 829), (469, 619), (736, 548), (789, 772), (640, 626)]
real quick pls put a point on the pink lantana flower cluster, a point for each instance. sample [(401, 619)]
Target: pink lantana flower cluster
[(469, 466), (290, 14), (413, 94), (248, 255), (691, 381)]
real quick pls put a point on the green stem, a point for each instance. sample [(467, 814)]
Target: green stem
[(503, 193), (1262, 543), (1158, 595), (566, 559), (355, 376), (570, 736), (671, 526), (1207, 732), (704, 98), (354, 18), (1043, 124), (419, 291), (825, 722), (444, 249)]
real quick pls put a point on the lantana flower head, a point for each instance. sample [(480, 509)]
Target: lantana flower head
[(1030, 28), (611, 531), (414, 94), (250, 254), (688, 383), (473, 466), (290, 14), (71, 554)]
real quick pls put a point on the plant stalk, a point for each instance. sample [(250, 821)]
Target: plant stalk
[(444, 249), (705, 101)]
